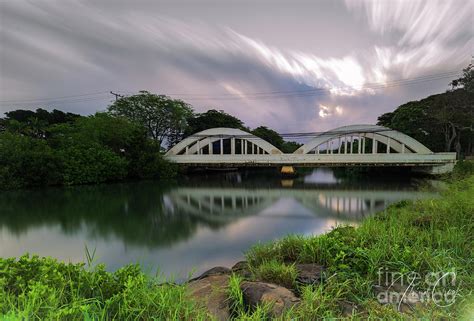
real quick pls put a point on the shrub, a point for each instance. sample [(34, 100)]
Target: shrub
[(91, 164), (26, 161)]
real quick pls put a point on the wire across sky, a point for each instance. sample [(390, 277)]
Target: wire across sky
[(105, 95)]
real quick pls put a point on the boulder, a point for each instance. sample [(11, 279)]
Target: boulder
[(309, 273), (211, 292), (403, 298), (260, 293), (349, 309), (242, 268), (218, 270)]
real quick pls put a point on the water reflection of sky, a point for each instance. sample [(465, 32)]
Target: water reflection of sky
[(321, 176), (184, 227)]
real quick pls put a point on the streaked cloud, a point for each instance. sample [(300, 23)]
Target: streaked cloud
[(50, 49)]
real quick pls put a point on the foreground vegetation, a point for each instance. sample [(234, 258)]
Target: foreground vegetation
[(426, 236), (423, 236)]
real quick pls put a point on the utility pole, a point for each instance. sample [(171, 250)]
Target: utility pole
[(116, 95)]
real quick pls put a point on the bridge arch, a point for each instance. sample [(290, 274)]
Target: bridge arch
[(352, 139), (222, 140)]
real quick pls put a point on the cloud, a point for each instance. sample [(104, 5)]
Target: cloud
[(51, 50), (327, 111), (427, 34)]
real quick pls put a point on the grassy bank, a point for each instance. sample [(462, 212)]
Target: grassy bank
[(424, 237)]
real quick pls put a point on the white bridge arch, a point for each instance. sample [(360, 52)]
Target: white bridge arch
[(356, 145), (213, 142), (342, 141)]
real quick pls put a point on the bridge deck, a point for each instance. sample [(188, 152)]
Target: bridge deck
[(393, 159)]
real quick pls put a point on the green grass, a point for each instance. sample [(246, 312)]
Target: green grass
[(33, 288), (276, 272), (422, 236), (236, 297)]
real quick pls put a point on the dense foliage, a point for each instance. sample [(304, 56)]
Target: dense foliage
[(55, 148), (76, 150), (442, 122), (162, 117), (211, 119), (275, 139)]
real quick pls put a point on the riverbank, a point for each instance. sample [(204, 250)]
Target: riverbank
[(341, 273)]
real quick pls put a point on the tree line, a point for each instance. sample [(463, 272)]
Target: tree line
[(127, 141), (41, 147), (442, 122)]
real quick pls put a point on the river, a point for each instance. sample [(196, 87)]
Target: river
[(190, 224)]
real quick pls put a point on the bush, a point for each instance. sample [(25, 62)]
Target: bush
[(91, 164), (95, 149), (462, 169), (26, 161)]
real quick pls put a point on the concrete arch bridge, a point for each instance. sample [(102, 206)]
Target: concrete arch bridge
[(356, 145)]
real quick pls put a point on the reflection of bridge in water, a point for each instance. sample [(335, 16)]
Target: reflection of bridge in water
[(224, 204)]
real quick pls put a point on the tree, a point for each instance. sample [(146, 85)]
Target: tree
[(269, 135), (415, 120), (161, 116), (211, 119), (443, 122), (466, 81), (290, 147), (454, 111), (53, 117), (34, 123)]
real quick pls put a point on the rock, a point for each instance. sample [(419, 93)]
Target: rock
[(401, 297), (211, 293), (259, 293), (348, 308), (242, 268), (309, 273), (218, 270)]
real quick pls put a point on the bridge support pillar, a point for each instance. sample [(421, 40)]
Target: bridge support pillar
[(288, 170)]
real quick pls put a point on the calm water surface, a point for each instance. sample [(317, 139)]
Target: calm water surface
[(192, 224)]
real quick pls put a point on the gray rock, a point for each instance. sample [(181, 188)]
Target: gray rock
[(259, 293), (309, 273), (211, 292), (349, 309), (242, 268), (401, 297), (218, 270)]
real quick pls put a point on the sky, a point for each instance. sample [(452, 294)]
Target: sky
[(294, 66)]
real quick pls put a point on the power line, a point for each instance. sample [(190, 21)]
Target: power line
[(445, 74), (59, 101), (250, 96), (369, 129), (314, 91), (318, 91), (54, 98)]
